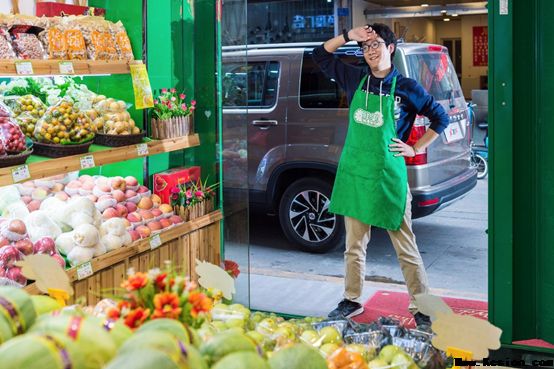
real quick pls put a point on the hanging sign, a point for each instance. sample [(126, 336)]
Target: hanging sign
[(480, 46), (141, 85)]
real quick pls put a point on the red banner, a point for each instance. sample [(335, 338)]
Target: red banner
[(480, 46)]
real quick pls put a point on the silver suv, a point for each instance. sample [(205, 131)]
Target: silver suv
[(297, 121)]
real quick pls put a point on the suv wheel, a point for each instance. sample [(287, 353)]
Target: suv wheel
[(305, 218)]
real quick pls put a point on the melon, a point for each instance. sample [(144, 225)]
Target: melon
[(5, 330), (96, 344), (171, 326), (242, 360), (44, 304), (116, 328), (17, 307), (145, 359), (299, 356), (226, 343)]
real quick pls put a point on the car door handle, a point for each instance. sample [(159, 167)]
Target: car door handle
[(264, 124)]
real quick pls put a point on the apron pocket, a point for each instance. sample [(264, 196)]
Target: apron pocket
[(362, 163)]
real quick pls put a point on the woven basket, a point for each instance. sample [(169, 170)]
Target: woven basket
[(118, 140), (58, 151), (11, 160), (172, 127), (189, 213)]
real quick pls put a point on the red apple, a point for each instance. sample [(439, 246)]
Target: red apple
[(131, 181), (154, 226), (34, 205), (165, 222), (146, 214), (9, 255), (129, 194), (4, 241), (59, 259), (156, 200), (175, 219), (118, 195), (14, 273), (143, 231), (166, 208), (143, 189), (110, 213), (45, 245), (145, 203), (134, 235), (118, 183), (156, 212), (25, 246), (131, 206), (26, 199), (85, 178), (134, 217), (122, 210)]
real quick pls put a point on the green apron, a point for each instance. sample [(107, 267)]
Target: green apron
[(371, 183)]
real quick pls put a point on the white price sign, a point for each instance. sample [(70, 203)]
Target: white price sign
[(155, 242), (84, 270), (87, 162), (24, 68), (66, 68), (142, 149), (21, 173)]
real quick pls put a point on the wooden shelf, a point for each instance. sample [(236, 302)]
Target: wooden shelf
[(138, 247), (80, 67), (41, 167)]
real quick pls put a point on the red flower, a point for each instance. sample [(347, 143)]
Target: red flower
[(182, 96), (136, 317), (113, 313), (173, 98), (199, 194), (175, 190), (173, 90), (136, 281), (170, 105), (166, 306), (192, 108), (164, 90), (156, 101), (161, 281), (193, 102), (232, 268), (200, 303), (189, 194), (184, 106)]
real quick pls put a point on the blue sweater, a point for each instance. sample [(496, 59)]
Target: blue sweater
[(414, 100)]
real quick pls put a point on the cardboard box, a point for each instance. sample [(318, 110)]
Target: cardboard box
[(165, 181), (54, 9)]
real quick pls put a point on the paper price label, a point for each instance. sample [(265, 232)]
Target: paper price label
[(87, 162), (155, 242), (142, 149), (24, 68), (21, 173), (66, 68), (84, 270)]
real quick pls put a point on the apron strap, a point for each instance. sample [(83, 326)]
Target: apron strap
[(393, 87), (362, 82)]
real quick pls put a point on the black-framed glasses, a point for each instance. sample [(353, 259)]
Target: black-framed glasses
[(373, 45)]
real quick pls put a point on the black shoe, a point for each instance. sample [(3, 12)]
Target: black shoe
[(423, 322), (346, 309)]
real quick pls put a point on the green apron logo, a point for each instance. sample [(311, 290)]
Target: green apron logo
[(367, 118)]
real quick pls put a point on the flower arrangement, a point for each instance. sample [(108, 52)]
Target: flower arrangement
[(191, 200), (161, 294), (171, 114)]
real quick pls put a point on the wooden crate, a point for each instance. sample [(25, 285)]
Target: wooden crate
[(198, 239)]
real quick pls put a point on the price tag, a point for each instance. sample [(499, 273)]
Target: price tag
[(66, 68), (155, 242), (21, 173), (24, 68), (87, 162), (84, 270), (142, 149)]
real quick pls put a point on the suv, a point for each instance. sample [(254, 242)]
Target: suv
[(297, 121)]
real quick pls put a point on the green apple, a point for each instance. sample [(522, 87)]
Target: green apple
[(310, 337), (330, 335), (362, 350), (286, 332), (328, 348), (388, 352), (256, 336), (267, 326), (377, 363), (402, 360), (234, 323)]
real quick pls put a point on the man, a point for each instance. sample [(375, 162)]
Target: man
[(371, 186)]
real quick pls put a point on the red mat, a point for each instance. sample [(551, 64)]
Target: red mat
[(395, 305), (535, 343)]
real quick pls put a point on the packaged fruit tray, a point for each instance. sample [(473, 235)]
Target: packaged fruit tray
[(58, 151), (11, 160), (118, 140)]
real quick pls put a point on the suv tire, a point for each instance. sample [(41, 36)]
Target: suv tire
[(304, 216)]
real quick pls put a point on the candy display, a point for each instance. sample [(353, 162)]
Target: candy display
[(64, 124)]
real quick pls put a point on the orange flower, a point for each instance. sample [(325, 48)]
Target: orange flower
[(113, 313), (200, 303), (136, 281), (136, 317), (166, 306), (161, 280)]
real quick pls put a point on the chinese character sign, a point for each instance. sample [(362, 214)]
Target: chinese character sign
[(480, 46)]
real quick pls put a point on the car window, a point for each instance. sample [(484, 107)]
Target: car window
[(317, 91), (251, 85), (435, 72)]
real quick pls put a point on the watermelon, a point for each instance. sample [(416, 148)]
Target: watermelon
[(44, 304), (299, 356), (145, 359), (17, 307), (42, 351), (5, 329), (242, 360), (171, 326), (96, 345), (226, 343)]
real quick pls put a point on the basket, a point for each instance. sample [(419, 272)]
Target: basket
[(58, 151), (11, 160), (118, 140), (172, 127)]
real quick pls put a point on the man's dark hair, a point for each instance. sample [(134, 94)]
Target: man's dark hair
[(385, 33)]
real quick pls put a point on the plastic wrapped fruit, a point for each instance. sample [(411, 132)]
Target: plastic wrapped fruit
[(27, 110), (13, 140), (64, 124), (113, 118)]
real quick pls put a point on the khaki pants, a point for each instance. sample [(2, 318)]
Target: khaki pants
[(358, 235)]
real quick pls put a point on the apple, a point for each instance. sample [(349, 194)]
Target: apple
[(175, 219), (62, 196), (59, 259), (118, 183), (57, 187), (110, 213), (92, 198), (156, 200), (39, 194), (129, 194), (86, 178), (131, 206), (134, 217), (126, 222), (154, 226), (310, 337), (34, 205), (118, 195), (14, 273), (328, 348), (134, 235), (45, 245), (143, 231), (74, 184), (145, 203), (104, 188), (388, 352), (25, 246), (26, 199), (166, 208), (330, 335), (9, 255), (156, 212), (131, 181), (146, 214), (88, 186), (165, 223), (122, 210), (4, 241), (143, 189)]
